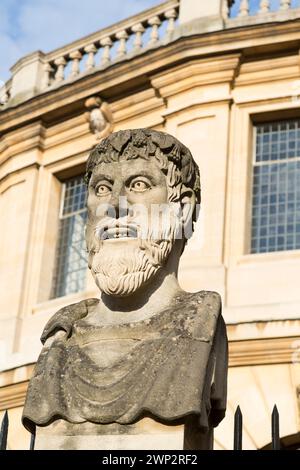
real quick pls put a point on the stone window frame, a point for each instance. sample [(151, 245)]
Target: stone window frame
[(274, 161), (54, 175), (244, 117), (71, 284)]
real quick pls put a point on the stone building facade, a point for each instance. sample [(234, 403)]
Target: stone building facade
[(224, 78)]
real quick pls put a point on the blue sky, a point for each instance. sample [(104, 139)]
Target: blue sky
[(29, 25)]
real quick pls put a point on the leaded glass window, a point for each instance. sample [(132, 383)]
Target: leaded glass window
[(276, 187), (71, 257)]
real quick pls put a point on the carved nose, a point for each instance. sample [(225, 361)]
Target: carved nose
[(119, 202)]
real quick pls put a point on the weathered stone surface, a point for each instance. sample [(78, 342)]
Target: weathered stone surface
[(99, 117), (146, 349), (166, 356)]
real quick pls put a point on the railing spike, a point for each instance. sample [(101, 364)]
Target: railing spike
[(4, 432), (238, 429), (275, 429), (32, 440)]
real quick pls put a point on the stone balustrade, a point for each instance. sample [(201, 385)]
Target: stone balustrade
[(38, 72), (252, 8), (110, 45)]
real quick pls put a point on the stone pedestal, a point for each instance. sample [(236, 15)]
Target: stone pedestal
[(145, 434)]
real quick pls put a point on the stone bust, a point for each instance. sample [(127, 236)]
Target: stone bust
[(146, 348)]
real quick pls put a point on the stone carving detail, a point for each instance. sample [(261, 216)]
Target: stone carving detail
[(146, 348), (99, 117)]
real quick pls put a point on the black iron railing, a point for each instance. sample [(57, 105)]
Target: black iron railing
[(237, 433), (4, 433), (238, 429)]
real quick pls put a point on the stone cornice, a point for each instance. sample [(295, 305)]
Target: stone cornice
[(13, 395), (38, 136), (264, 351), (30, 136), (220, 101), (13, 386), (134, 72), (259, 71), (135, 105), (207, 71)]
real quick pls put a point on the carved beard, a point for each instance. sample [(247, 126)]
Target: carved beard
[(121, 268)]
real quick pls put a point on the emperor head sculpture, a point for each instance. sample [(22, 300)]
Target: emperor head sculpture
[(145, 348)]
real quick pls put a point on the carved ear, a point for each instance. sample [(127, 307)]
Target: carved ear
[(188, 203)]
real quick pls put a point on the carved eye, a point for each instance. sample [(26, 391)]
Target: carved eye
[(139, 186), (102, 190)]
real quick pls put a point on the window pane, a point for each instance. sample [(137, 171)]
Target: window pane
[(71, 257), (276, 194), (278, 141)]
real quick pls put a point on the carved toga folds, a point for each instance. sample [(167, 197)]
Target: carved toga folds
[(169, 367)]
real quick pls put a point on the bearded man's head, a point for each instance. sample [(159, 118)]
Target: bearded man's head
[(143, 195)]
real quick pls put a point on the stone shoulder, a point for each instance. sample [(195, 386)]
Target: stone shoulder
[(209, 298), (64, 318), (207, 303), (206, 307), (210, 294)]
